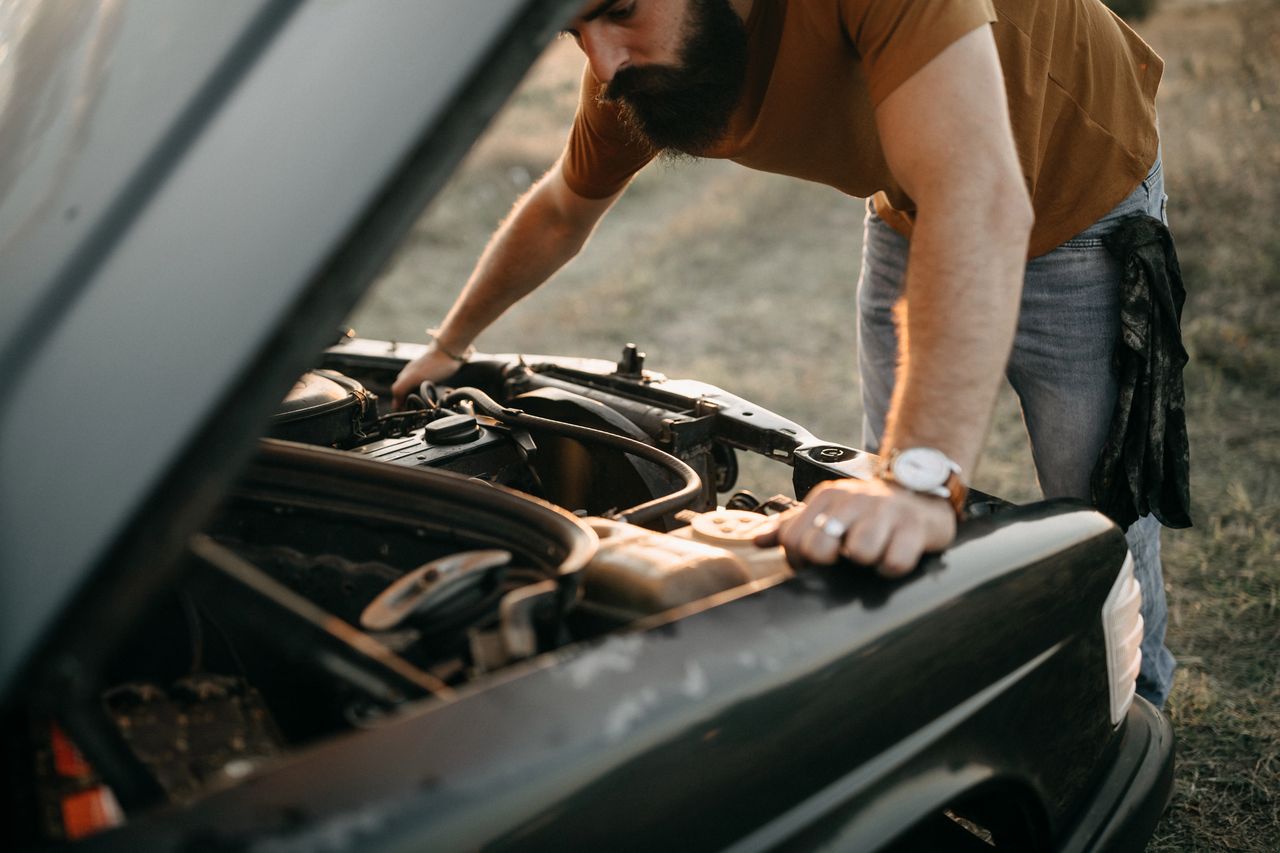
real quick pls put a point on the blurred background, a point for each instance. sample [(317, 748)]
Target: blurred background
[(747, 281)]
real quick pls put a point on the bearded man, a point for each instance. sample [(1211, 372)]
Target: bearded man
[(996, 142)]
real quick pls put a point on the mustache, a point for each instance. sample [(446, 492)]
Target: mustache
[(640, 80)]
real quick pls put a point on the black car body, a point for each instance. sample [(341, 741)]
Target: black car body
[(190, 197)]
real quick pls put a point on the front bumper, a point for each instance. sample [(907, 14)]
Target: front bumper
[(1133, 796)]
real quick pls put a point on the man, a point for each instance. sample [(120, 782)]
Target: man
[(985, 133)]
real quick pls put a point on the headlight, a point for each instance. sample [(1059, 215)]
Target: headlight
[(1122, 627)]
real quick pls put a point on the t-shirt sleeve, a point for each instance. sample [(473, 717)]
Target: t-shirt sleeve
[(896, 38), (602, 153)]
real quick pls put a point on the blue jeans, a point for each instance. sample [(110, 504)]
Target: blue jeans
[(1060, 368)]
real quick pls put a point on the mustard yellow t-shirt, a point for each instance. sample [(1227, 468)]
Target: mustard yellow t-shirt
[(1081, 87)]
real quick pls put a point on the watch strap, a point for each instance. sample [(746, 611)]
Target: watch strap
[(957, 492)]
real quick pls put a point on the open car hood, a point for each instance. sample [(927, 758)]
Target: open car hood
[(192, 197)]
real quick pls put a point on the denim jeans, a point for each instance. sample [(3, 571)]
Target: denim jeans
[(1060, 368)]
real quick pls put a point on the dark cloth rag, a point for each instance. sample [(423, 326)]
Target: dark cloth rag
[(1145, 464)]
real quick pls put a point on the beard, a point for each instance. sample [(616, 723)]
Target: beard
[(686, 108)]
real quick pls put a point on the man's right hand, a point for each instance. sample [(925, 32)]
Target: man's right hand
[(434, 365)]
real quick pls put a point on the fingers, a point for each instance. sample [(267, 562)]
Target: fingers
[(867, 540), (400, 389), (869, 523), (820, 540), (902, 553), (809, 535), (433, 365)]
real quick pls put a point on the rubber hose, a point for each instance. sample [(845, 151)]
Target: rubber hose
[(638, 514)]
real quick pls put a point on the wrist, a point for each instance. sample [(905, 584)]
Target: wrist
[(461, 355), (925, 471)]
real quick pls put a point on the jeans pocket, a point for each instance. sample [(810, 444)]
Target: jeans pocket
[(1155, 176)]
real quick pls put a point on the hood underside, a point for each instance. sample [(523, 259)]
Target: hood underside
[(201, 195)]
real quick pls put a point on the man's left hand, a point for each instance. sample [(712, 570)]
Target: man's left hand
[(871, 522)]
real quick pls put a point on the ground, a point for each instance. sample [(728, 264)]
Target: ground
[(747, 281)]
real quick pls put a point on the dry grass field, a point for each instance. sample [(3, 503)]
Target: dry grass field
[(747, 280)]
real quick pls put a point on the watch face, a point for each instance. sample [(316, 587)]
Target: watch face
[(921, 469)]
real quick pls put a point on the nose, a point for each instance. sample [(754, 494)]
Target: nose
[(605, 55)]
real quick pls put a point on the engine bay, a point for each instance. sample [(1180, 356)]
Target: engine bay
[(554, 517), (370, 559)]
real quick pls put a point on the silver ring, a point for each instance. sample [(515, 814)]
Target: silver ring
[(833, 527)]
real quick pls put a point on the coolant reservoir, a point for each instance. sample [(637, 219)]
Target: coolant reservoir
[(734, 530), (644, 572)]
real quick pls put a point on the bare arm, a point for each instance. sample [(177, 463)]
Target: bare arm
[(947, 137), (545, 229)]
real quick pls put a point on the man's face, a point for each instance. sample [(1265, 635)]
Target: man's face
[(680, 104)]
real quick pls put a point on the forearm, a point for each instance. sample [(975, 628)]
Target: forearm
[(960, 310), (545, 229), (948, 139), (958, 318)]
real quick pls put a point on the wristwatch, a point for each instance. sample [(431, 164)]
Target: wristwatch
[(928, 471)]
